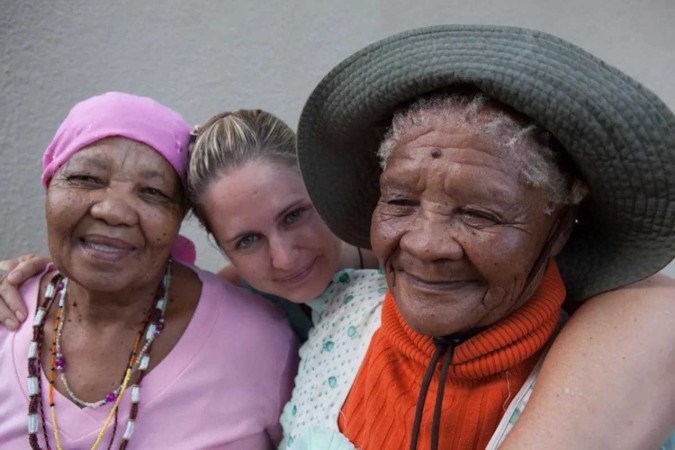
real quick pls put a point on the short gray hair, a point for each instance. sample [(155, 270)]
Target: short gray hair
[(540, 158)]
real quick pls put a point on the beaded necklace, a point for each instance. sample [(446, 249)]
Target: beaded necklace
[(59, 361), (140, 361)]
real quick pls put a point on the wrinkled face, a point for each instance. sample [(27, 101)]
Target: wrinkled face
[(264, 221), (113, 211), (456, 229)]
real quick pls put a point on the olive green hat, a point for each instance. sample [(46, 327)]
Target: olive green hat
[(618, 133)]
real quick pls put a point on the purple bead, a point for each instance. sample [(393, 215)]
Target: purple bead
[(60, 286), (160, 325), (110, 397), (60, 363)]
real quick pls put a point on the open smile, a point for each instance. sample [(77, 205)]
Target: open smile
[(102, 247)]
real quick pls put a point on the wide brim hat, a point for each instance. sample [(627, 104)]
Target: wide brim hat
[(619, 134)]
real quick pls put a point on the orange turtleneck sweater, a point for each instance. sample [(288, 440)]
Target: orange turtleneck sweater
[(486, 372)]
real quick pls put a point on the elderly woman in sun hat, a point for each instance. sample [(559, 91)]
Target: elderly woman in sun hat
[(498, 173), (125, 345)]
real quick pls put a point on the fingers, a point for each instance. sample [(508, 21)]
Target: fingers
[(27, 266), (8, 264), (12, 307)]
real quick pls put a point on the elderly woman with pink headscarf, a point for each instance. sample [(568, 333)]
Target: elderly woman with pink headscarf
[(125, 345)]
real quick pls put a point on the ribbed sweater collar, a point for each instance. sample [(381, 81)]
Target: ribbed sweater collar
[(500, 347)]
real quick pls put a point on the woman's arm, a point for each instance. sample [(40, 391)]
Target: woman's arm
[(609, 378), (12, 308)]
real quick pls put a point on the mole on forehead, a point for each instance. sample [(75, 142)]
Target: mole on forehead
[(438, 141)]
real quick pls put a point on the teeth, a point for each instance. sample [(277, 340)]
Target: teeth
[(104, 248)]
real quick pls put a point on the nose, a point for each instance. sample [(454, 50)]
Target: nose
[(283, 252), (433, 239), (115, 207)]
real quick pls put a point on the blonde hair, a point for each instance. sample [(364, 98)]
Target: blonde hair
[(230, 140)]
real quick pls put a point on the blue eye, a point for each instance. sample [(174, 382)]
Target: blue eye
[(293, 216), (247, 241)]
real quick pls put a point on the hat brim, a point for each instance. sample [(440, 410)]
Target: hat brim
[(618, 133)]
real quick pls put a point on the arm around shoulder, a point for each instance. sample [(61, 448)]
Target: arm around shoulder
[(608, 380)]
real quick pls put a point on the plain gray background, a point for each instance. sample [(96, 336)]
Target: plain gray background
[(203, 57)]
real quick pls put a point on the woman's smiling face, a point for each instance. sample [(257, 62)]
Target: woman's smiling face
[(456, 229), (264, 221), (113, 211)]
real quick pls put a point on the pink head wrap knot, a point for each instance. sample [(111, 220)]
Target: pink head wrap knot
[(141, 119)]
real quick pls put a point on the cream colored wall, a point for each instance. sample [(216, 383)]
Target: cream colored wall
[(202, 57)]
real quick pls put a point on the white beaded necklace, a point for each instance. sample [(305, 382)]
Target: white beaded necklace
[(60, 367)]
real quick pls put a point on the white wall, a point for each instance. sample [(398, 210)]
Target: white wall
[(202, 57)]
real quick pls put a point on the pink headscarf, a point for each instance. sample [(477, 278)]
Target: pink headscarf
[(141, 119)]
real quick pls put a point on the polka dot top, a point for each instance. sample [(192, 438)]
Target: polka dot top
[(345, 317)]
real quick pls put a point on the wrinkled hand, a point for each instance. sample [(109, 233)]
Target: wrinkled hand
[(12, 307)]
